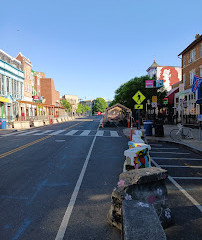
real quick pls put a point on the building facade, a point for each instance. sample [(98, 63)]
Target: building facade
[(26, 108), (11, 86), (47, 90), (73, 100), (170, 75), (191, 65)]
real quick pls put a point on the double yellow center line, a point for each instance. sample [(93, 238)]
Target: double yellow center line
[(22, 147), (31, 143)]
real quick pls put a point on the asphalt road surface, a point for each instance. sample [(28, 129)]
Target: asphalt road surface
[(56, 181), (184, 189)]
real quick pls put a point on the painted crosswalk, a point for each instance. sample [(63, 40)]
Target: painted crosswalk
[(82, 133)]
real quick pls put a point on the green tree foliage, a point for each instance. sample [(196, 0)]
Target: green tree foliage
[(100, 105), (127, 90), (79, 108), (66, 104), (82, 108)]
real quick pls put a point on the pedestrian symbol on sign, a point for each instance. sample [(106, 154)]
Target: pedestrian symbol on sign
[(138, 97)]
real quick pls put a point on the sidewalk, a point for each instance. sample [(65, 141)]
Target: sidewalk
[(195, 144)]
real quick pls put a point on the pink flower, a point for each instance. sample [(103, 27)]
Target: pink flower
[(121, 183)]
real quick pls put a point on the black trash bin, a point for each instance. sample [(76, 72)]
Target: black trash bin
[(159, 130)]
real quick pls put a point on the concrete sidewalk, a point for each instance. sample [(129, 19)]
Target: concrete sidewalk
[(194, 144)]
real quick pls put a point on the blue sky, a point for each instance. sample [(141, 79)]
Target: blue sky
[(91, 47)]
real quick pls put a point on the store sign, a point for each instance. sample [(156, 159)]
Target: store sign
[(3, 99), (36, 97), (165, 101), (159, 83), (154, 99), (149, 84)]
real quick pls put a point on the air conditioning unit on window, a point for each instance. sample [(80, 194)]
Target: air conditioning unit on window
[(190, 60)]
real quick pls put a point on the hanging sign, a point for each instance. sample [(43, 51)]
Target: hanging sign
[(154, 99), (149, 84), (159, 83)]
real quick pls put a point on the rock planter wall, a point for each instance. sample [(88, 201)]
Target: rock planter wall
[(145, 185)]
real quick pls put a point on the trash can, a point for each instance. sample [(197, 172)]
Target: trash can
[(2, 123), (159, 130), (148, 124)]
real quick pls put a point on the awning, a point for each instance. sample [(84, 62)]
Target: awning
[(3, 99), (199, 101)]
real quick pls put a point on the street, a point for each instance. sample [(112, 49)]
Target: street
[(56, 181), (184, 188)]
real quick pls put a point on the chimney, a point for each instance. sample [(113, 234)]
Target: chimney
[(197, 36)]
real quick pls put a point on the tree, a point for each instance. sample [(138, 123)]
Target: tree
[(127, 90), (66, 104), (82, 108), (79, 108), (100, 105)]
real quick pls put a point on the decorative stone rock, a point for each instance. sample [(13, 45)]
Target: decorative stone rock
[(145, 185), (145, 226)]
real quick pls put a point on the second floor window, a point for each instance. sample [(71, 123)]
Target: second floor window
[(184, 61), (192, 73), (184, 78), (192, 56)]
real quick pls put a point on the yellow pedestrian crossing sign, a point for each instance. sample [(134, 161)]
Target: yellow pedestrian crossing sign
[(138, 106), (139, 97)]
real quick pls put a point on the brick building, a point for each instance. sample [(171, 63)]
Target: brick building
[(191, 65), (26, 109), (48, 91)]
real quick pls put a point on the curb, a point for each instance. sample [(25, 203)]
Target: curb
[(194, 149)]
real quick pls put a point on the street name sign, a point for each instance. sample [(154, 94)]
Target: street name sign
[(138, 106), (139, 97)]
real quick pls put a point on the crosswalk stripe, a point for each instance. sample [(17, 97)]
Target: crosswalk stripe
[(44, 132), (114, 134), (85, 133), (72, 132), (57, 132), (100, 133), (29, 132), (13, 133)]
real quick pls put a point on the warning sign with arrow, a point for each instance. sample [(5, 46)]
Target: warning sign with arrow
[(139, 97), (138, 106)]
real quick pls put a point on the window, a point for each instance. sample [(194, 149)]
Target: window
[(201, 50), (184, 61), (192, 56), (38, 81), (192, 73), (184, 78), (7, 82), (200, 71)]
